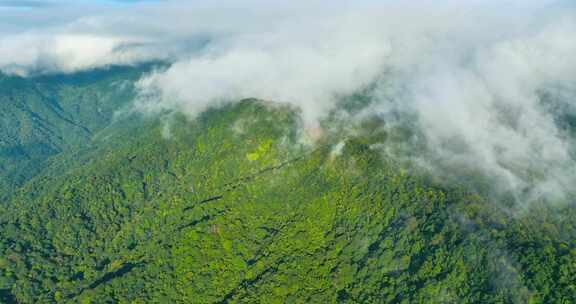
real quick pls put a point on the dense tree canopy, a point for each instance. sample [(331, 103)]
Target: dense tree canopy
[(232, 207)]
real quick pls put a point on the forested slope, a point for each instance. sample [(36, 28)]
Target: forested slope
[(43, 116), (232, 207)]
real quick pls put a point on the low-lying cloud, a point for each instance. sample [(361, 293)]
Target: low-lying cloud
[(488, 81)]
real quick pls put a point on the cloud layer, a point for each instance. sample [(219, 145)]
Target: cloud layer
[(487, 81)]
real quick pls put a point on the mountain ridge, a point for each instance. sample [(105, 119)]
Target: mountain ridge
[(234, 206)]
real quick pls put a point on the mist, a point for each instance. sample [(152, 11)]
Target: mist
[(488, 81)]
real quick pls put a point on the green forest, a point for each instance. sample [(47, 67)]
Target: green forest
[(100, 205)]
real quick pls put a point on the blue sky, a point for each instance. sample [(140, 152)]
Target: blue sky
[(49, 3), (22, 15)]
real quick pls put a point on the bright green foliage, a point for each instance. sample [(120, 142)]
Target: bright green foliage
[(232, 209)]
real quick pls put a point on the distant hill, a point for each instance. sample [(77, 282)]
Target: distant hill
[(43, 116)]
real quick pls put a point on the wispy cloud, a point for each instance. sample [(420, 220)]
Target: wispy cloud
[(473, 73)]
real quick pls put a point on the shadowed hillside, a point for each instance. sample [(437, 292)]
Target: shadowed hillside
[(46, 115)]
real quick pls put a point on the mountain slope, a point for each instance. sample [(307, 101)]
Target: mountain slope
[(43, 116), (232, 208)]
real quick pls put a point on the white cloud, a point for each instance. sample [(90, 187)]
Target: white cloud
[(480, 105), (287, 65), (472, 72), (61, 53)]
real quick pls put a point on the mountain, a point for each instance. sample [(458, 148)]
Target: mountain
[(46, 115), (232, 206)]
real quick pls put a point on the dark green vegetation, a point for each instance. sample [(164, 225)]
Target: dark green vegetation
[(231, 208), (45, 116)]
